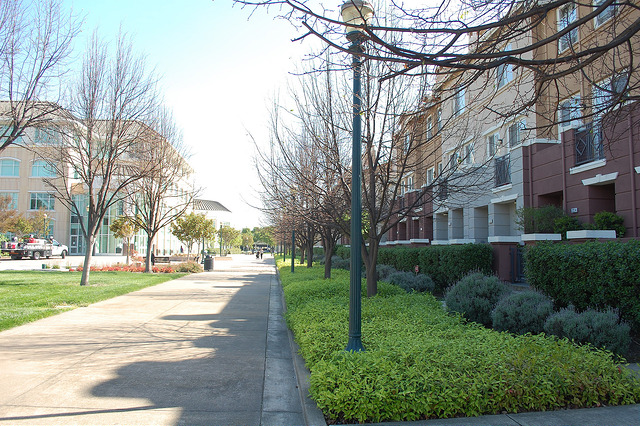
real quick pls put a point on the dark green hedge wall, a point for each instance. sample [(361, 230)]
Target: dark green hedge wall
[(445, 264), (590, 275)]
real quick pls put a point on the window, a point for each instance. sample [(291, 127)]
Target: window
[(407, 142), (11, 199), (5, 132), (439, 169), (569, 113), (504, 72), (47, 137), (9, 168), (493, 141), (608, 92), (502, 170), (468, 154), (454, 160), (430, 173), (409, 183), (41, 200), (429, 127), (567, 15), (41, 168), (459, 102), (605, 15), (439, 120), (515, 133)]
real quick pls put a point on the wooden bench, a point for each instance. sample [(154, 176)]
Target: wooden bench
[(160, 259)]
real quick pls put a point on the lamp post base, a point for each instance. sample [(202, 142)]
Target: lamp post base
[(355, 345)]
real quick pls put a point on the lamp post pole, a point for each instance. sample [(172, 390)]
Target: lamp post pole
[(356, 12)]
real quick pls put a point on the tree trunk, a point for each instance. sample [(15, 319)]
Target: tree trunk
[(147, 261), (370, 257), (302, 254), (328, 246), (86, 266), (310, 253), (128, 248)]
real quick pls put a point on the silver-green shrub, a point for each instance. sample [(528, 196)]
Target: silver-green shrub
[(475, 296), (521, 313), (384, 271), (411, 282), (339, 263), (602, 329)]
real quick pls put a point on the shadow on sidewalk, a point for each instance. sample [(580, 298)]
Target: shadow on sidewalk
[(217, 371)]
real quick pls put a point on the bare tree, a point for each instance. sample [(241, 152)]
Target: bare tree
[(166, 192), (35, 42), (106, 137)]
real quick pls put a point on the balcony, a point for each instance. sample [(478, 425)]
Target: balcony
[(502, 170), (442, 192), (588, 143)]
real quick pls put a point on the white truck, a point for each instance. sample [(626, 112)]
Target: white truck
[(35, 250)]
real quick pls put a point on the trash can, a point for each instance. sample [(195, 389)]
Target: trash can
[(208, 263)]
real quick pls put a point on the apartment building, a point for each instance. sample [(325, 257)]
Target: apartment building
[(568, 147), (26, 164)]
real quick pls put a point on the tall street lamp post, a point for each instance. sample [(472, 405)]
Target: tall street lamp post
[(356, 13)]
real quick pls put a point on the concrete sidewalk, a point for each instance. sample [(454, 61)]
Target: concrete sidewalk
[(207, 349)]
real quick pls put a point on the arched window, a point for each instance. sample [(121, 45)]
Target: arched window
[(9, 167)]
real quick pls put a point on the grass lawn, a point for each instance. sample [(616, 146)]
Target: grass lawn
[(422, 362), (27, 296)]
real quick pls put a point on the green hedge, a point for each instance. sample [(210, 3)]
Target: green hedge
[(591, 275), (422, 363), (445, 264)]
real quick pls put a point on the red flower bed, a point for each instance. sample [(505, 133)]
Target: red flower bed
[(127, 268)]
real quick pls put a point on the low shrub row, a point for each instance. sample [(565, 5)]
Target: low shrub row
[(593, 275), (487, 301), (444, 264), (421, 362)]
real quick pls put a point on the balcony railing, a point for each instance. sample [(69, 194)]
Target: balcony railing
[(443, 191), (588, 142), (502, 170)]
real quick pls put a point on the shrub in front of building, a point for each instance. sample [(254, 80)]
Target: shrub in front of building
[(475, 296), (444, 264), (521, 313), (409, 281), (594, 275), (601, 329)]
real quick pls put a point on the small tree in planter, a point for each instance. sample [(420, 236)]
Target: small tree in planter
[(609, 221), (538, 220)]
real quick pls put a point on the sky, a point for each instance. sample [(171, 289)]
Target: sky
[(220, 68)]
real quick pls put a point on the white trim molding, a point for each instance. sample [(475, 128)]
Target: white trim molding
[(505, 239), (591, 233), (588, 166), (600, 179), (504, 199), (502, 188), (419, 241), (541, 237)]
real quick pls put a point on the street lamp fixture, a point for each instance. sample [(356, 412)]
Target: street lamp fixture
[(356, 14)]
